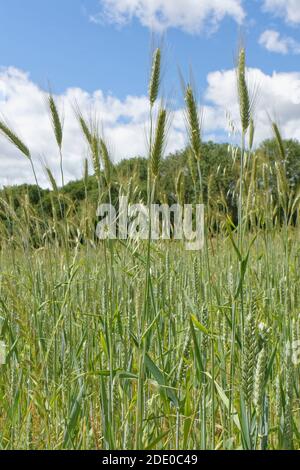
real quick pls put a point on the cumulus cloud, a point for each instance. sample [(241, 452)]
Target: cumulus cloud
[(289, 9), (188, 15), (274, 42), (277, 95), (23, 104), (125, 121)]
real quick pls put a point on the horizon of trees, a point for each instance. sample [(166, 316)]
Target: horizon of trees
[(178, 179)]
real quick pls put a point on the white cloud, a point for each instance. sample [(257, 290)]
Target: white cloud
[(23, 103), (125, 121), (188, 15), (278, 96), (274, 42), (289, 9)]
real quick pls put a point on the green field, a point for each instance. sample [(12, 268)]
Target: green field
[(141, 344)]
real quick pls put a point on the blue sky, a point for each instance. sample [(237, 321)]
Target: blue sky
[(104, 46), (55, 40)]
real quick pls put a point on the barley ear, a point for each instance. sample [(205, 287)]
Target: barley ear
[(14, 139), (193, 122), (279, 141), (159, 142), (91, 135), (251, 134), (52, 179), (86, 172), (249, 356), (191, 162), (243, 93), (96, 155), (259, 382), (155, 76), (56, 121), (107, 164), (180, 187), (85, 129)]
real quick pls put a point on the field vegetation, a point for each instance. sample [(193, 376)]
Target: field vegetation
[(141, 344)]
